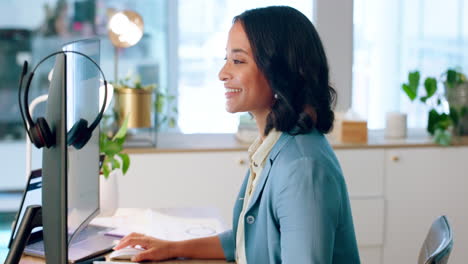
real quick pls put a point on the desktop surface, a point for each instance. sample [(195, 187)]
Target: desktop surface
[(126, 219), (34, 260)]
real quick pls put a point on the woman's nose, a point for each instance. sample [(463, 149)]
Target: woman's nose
[(223, 74)]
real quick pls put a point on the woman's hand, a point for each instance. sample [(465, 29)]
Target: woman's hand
[(155, 249)]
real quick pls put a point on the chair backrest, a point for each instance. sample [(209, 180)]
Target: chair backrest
[(438, 243)]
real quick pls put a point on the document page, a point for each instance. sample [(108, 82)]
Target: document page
[(160, 225)]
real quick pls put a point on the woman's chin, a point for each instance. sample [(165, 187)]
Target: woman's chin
[(231, 109)]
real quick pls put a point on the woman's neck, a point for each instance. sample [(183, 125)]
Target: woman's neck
[(260, 119)]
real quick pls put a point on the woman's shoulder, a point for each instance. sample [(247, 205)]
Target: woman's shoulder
[(313, 145), (310, 150)]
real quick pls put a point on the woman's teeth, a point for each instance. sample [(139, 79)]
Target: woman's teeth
[(233, 90)]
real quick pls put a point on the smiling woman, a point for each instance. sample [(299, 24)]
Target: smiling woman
[(247, 90), (293, 206)]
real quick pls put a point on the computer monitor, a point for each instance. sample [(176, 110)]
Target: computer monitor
[(83, 103), (70, 197)]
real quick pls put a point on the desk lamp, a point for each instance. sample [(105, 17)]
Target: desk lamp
[(125, 30)]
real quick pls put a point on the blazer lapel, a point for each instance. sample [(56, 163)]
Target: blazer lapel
[(284, 138)]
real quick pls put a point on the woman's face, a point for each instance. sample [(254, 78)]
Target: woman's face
[(247, 89)]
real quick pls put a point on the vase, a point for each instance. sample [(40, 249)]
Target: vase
[(137, 103), (108, 193), (395, 125), (457, 98)]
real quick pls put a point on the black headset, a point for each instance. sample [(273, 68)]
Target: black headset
[(40, 132)]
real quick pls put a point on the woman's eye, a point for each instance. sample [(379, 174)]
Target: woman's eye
[(237, 61)]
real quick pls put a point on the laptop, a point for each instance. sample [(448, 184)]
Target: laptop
[(89, 243)]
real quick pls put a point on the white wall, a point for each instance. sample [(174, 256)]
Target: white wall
[(334, 21)]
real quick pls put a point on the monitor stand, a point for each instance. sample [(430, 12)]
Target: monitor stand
[(32, 218)]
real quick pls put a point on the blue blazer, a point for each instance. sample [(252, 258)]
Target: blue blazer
[(299, 212)]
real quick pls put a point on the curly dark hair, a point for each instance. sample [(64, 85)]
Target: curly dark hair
[(288, 51)]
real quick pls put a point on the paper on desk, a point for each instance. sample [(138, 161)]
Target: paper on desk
[(163, 226), (125, 221), (182, 228)]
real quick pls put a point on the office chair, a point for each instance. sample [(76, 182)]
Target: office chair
[(438, 243)]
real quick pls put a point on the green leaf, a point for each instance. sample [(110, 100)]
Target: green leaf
[(409, 91), (160, 104), (454, 115), (120, 141), (430, 84), (442, 137), (123, 129), (434, 117), (413, 79), (112, 148), (463, 111), (105, 169), (103, 141), (115, 163), (411, 88), (172, 122), (125, 162)]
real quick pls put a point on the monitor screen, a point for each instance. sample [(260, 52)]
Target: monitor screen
[(54, 168), (70, 188), (82, 103)]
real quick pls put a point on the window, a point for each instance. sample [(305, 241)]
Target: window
[(203, 31), (392, 38)]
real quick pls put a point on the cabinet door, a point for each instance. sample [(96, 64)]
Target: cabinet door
[(184, 180), (363, 170), (421, 184)]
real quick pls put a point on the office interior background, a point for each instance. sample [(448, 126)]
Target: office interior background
[(183, 48)]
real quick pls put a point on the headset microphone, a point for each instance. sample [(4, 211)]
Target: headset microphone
[(40, 132)]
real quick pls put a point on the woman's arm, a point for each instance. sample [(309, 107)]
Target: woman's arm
[(158, 249), (200, 248), (307, 208)]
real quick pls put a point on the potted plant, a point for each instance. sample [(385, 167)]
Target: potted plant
[(440, 124), (115, 163), (135, 100), (111, 147)]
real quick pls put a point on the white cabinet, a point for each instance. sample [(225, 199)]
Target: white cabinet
[(364, 175), (395, 193), (190, 179), (421, 184), (363, 171)]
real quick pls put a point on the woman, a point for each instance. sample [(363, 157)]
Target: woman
[(293, 206)]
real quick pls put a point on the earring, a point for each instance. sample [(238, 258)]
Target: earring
[(276, 96)]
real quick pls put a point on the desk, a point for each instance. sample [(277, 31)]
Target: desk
[(33, 260), (134, 218)]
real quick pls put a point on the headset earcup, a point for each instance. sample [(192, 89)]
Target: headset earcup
[(41, 134), (79, 134)]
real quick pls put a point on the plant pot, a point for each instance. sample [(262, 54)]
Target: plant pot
[(108, 194), (137, 103), (457, 98)]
